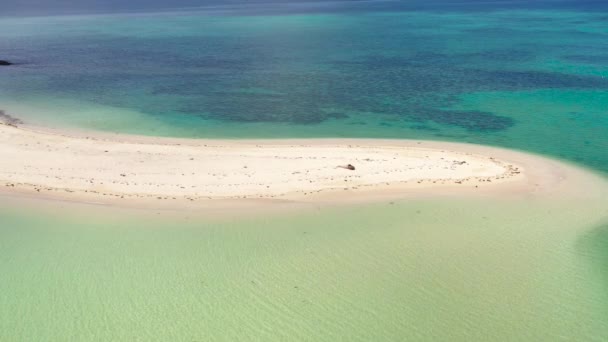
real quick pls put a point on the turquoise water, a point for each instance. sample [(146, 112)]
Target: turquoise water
[(496, 73), (512, 77)]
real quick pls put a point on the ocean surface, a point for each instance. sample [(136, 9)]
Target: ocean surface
[(527, 75), (531, 77)]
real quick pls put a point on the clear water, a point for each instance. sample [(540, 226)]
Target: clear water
[(531, 76), (504, 75), (419, 270)]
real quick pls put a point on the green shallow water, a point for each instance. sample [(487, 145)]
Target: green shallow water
[(419, 270), (440, 270)]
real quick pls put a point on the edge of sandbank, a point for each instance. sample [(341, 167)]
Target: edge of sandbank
[(541, 176)]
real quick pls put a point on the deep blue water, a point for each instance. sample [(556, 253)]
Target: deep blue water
[(43, 7)]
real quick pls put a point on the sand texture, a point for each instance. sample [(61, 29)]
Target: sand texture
[(91, 167)]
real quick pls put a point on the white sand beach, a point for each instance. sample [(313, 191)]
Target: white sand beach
[(127, 170)]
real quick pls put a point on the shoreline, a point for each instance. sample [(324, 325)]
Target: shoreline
[(172, 173)]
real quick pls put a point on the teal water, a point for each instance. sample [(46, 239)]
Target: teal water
[(528, 79), (533, 79)]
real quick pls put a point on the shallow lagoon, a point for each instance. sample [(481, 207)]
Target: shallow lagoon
[(425, 270)]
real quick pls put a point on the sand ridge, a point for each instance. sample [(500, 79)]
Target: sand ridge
[(104, 168)]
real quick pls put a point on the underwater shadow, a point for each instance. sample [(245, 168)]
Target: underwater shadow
[(593, 247)]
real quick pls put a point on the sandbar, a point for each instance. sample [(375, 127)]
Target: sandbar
[(92, 167)]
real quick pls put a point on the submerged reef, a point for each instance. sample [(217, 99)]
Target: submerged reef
[(9, 120)]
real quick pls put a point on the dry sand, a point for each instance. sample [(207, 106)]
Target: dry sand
[(164, 172)]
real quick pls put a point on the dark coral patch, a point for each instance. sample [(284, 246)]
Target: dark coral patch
[(474, 120), (260, 80)]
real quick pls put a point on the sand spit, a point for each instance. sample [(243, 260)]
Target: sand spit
[(126, 170)]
